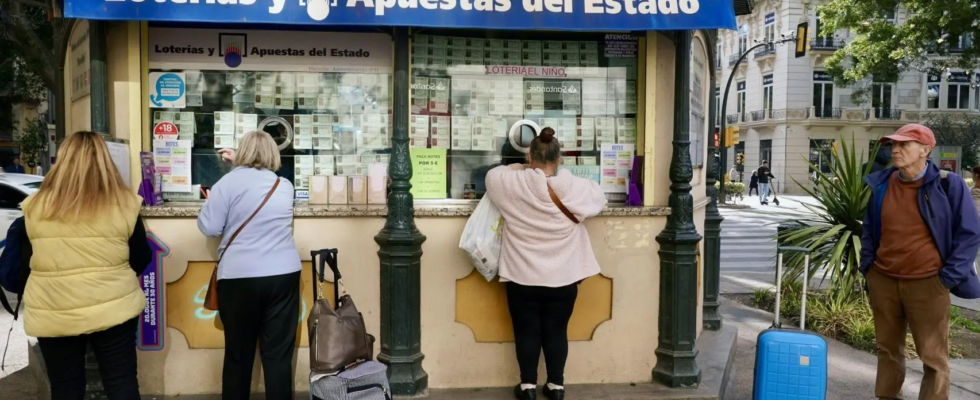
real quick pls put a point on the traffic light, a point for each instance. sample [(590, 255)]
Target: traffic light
[(731, 136), (802, 30)]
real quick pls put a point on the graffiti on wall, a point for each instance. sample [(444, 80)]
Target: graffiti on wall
[(202, 327)]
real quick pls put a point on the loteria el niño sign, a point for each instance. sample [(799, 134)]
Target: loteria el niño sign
[(568, 15)]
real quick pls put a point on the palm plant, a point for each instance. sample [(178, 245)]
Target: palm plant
[(833, 234)]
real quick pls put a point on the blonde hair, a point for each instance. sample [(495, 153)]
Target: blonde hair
[(258, 150), (83, 184)]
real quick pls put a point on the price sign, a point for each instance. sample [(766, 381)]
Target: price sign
[(165, 130)]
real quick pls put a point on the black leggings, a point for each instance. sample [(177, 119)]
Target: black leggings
[(263, 310), (540, 316), (115, 349), (751, 188)]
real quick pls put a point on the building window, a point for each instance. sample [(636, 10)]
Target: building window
[(743, 39), (821, 155), (718, 56), (770, 29), (718, 115), (933, 86), (881, 100), (888, 15), (767, 94), (467, 96), (740, 101), (765, 151), (823, 39), (823, 95), (958, 91)]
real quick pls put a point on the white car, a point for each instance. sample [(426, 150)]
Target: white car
[(14, 188)]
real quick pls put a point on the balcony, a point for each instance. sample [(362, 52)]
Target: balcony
[(732, 60), (758, 116), (826, 44), (764, 53), (731, 119), (888, 114), (827, 113)]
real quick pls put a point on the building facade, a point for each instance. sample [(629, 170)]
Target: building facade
[(788, 109)]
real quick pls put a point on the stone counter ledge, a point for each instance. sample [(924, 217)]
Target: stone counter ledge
[(304, 210)]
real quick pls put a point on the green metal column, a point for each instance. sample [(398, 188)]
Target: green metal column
[(712, 218), (678, 259), (401, 249), (99, 75), (99, 80)]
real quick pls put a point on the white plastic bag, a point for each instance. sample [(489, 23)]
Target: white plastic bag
[(481, 238)]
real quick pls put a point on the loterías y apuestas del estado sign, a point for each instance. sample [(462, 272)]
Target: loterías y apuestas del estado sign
[(574, 15)]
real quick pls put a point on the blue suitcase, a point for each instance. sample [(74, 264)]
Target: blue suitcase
[(790, 364)]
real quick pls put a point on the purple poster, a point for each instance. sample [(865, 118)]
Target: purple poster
[(153, 324)]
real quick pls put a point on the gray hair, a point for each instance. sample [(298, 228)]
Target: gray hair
[(258, 150)]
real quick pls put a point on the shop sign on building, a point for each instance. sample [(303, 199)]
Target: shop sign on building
[(81, 85), (570, 15), (281, 51)]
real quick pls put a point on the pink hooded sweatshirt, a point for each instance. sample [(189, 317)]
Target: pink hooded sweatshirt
[(541, 246)]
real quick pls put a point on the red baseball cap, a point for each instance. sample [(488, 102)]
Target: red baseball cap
[(912, 133)]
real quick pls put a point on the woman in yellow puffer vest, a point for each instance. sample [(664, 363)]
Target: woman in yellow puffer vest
[(86, 248)]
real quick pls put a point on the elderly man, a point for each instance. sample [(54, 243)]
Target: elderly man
[(912, 264)]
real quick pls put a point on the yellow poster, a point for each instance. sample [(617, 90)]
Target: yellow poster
[(429, 173)]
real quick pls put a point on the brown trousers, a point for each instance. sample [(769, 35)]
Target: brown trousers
[(921, 305)]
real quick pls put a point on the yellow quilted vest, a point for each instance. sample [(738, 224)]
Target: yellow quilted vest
[(81, 281)]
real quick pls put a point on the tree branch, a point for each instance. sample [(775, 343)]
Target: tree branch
[(20, 33)]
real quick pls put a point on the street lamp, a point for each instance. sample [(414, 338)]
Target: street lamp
[(728, 87)]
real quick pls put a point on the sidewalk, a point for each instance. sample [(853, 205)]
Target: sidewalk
[(851, 372)]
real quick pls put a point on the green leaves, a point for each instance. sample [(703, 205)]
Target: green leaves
[(928, 40), (833, 234)]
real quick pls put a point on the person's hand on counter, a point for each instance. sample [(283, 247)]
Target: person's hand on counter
[(227, 155)]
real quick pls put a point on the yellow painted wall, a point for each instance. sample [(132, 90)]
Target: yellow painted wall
[(620, 350), (125, 88)]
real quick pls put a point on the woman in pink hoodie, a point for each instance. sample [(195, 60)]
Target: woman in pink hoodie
[(545, 254)]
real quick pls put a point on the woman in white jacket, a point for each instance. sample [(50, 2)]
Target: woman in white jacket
[(545, 253)]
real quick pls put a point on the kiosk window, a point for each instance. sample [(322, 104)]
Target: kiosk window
[(479, 98)]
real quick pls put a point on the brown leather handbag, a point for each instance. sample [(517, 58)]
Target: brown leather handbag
[(338, 337), (211, 298), (561, 206)]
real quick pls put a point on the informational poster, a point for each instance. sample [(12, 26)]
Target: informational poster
[(172, 159), (590, 172), (194, 88), (621, 45), (168, 90), (616, 161), (152, 327), (429, 173), (948, 165), (119, 152)]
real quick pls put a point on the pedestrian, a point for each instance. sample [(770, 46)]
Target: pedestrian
[(259, 274), (911, 265), (15, 166), (754, 182), (764, 177), (545, 253), (86, 247)]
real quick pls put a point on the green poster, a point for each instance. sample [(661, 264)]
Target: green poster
[(428, 173)]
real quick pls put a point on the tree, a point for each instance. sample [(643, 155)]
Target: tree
[(963, 131), (29, 63), (932, 39)]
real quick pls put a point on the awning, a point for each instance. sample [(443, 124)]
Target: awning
[(567, 15)]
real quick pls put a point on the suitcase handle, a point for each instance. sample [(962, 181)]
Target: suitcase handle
[(779, 281), (321, 260)]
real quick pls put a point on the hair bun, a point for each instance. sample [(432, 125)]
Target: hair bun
[(547, 135)]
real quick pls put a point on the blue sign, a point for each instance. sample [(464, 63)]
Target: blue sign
[(169, 90), (569, 15), (152, 328)]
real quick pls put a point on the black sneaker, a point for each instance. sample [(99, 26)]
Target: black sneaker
[(557, 394), (526, 394)]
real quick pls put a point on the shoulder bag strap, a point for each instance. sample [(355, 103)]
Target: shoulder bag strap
[(561, 206), (239, 230)]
